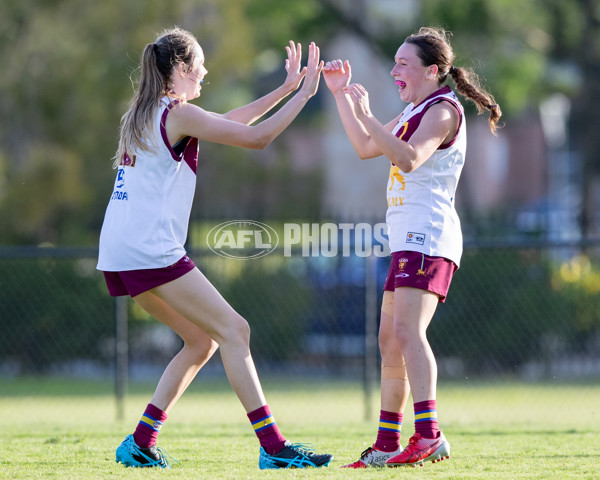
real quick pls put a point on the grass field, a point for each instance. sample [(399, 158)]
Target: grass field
[(67, 430)]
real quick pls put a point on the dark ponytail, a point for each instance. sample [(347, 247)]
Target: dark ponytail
[(467, 84), (434, 48)]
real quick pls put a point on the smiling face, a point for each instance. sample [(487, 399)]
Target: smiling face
[(415, 81), (195, 76)]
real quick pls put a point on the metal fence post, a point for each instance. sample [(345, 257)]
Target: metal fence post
[(121, 355), (370, 332)]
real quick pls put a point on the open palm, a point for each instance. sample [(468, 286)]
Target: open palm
[(295, 73), (314, 65)]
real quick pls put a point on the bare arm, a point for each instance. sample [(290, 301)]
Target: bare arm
[(439, 124), (188, 119), (337, 76), (253, 111)]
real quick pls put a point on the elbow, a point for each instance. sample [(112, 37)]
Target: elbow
[(366, 154), (260, 140), (253, 143), (406, 166), (260, 144)]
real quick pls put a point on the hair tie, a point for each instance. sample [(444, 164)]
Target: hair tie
[(492, 106), (452, 69)]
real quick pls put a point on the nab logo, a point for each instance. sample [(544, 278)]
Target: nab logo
[(242, 239), (418, 238)]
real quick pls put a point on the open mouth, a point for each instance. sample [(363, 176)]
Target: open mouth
[(401, 84)]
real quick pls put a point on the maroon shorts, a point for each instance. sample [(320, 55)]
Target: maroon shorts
[(417, 270), (134, 282)]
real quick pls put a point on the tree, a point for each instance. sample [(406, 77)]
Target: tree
[(533, 49), (576, 28), (65, 85)]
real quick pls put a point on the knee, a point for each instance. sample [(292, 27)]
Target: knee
[(202, 348), (387, 345), (392, 353), (402, 335), (237, 330), (242, 329)]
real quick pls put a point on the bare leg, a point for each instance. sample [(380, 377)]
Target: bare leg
[(198, 348), (413, 311), (195, 299), (395, 388)]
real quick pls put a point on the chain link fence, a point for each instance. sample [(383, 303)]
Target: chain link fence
[(516, 313)]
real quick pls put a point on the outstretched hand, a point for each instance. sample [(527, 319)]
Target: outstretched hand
[(314, 65), (295, 73), (337, 75), (360, 99)]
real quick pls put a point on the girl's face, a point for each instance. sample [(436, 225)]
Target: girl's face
[(413, 79), (195, 76)]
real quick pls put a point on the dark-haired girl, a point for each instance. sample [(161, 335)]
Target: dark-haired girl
[(426, 147)]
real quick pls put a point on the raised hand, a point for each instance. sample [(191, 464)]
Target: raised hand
[(295, 73), (337, 75), (360, 99), (313, 70)]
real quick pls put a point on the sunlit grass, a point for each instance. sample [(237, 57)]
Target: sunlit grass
[(58, 429)]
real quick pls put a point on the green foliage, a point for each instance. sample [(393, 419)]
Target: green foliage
[(53, 311), (577, 282), (67, 63), (66, 69), (263, 185), (507, 45), (302, 21), (508, 307), (276, 305), (52, 173)]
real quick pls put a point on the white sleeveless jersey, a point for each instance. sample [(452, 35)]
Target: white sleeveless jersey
[(421, 215), (146, 222)]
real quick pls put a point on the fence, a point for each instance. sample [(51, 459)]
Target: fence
[(518, 312)]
